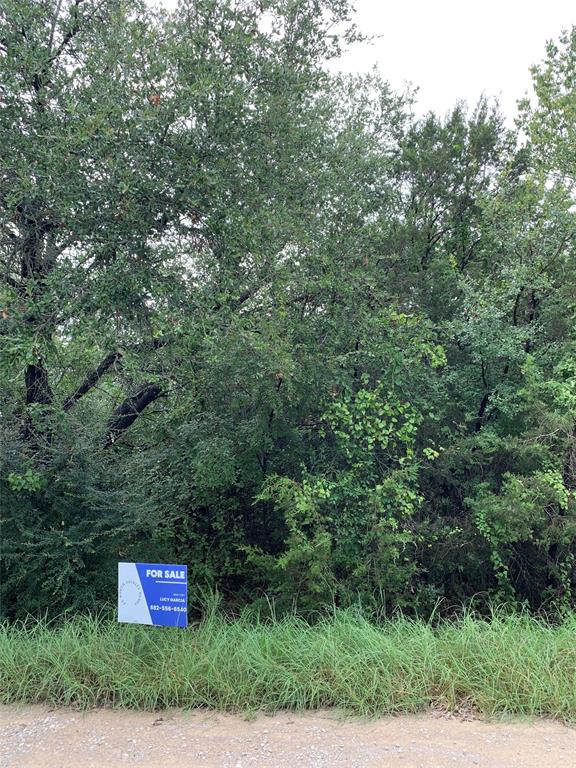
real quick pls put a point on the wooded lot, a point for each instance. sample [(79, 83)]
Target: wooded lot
[(262, 320)]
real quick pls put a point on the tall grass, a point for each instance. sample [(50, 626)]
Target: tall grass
[(508, 665)]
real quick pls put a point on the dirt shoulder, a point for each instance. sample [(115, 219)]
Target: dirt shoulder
[(46, 738)]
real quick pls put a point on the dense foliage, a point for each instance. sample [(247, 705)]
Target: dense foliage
[(261, 320)]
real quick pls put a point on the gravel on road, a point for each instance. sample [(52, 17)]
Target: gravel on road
[(42, 737)]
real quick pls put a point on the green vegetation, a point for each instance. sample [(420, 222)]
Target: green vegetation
[(511, 665), (261, 320)]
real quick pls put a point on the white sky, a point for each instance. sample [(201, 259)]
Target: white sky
[(456, 49)]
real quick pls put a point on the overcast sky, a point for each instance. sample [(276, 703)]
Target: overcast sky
[(457, 49)]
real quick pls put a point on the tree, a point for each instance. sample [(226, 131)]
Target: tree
[(259, 319), (153, 172), (551, 121)]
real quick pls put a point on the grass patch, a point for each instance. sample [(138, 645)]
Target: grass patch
[(508, 665)]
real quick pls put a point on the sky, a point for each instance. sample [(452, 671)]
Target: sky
[(456, 49)]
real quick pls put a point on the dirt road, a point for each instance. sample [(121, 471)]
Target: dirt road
[(45, 738)]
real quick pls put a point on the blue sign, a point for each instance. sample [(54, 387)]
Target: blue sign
[(153, 593)]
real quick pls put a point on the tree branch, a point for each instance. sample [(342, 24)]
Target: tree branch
[(129, 410), (73, 29), (92, 379)]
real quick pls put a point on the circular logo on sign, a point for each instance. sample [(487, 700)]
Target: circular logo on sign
[(130, 593)]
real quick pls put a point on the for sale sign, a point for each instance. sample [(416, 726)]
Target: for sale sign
[(153, 593)]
